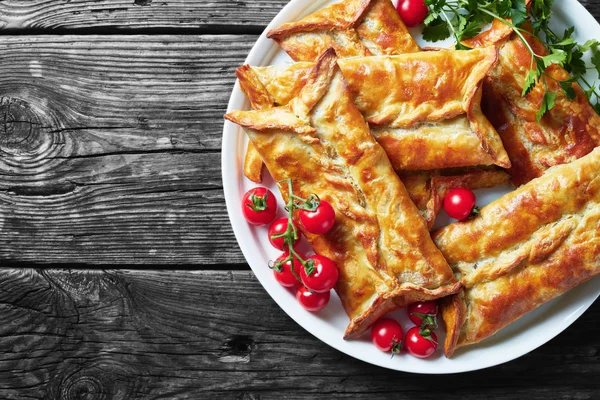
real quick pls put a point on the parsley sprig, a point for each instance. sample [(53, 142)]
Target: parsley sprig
[(464, 19)]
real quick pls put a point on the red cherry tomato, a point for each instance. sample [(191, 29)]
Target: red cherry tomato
[(387, 334), (320, 221), (412, 12), (286, 277), (324, 277), (259, 206), (312, 301), (419, 346), (460, 203), (422, 308), (278, 227)]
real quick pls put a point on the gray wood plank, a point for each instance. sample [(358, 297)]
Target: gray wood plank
[(206, 16), (164, 335), (111, 148), (198, 15)]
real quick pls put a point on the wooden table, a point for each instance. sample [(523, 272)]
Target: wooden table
[(121, 277)]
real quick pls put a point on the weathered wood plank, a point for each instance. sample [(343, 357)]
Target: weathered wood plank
[(119, 93), (143, 334), (214, 16), (110, 148), (219, 16)]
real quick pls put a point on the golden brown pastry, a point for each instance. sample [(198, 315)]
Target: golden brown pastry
[(259, 99), (380, 243), (423, 107), (567, 132), (351, 27), (525, 249)]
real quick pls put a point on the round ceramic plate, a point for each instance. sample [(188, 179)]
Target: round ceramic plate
[(521, 337)]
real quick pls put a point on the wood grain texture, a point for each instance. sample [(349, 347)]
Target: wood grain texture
[(111, 148), (165, 335), (203, 16)]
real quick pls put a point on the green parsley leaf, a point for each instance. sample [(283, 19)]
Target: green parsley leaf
[(558, 57), (547, 105), (532, 78), (437, 30), (518, 12), (575, 64), (589, 45), (596, 60), (471, 30), (567, 87)]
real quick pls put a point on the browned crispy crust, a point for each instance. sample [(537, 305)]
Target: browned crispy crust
[(423, 109), (352, 27), (569, 131), (380, 243), (454, 310), (525, 249), (259, 99)]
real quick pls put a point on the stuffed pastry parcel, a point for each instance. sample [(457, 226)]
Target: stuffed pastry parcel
[(380, 243), (354, 28), (525, 249), (423, 108), (567, 132)]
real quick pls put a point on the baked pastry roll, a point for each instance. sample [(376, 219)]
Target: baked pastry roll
[(525, 249), (567, 132), (423, 108), (380, 243), (351, 27)]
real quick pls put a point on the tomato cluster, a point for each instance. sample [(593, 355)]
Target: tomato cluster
[(314, 276), (420, 341)]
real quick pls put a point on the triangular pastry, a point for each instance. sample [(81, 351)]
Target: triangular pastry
[(525, 249), (351, 27), (380, 243)]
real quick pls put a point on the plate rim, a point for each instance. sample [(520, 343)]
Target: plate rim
[(232, 176)]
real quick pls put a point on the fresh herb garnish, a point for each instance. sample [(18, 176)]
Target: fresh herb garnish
[(464, 19)]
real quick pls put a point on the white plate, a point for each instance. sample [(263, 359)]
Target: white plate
[(521, 337)]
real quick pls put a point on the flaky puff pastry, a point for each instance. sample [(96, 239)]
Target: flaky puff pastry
[(423, 108), (525, 249), (380, 243), (567, 132), (351, 27)]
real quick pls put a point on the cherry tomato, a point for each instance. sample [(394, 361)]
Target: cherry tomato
[(259, 206), (423, 308), (387, 334), (312, 301), (320, 221), (460, 203), (412, 12), (278, 227), (419, 346), (324, 277), (286, 277)]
